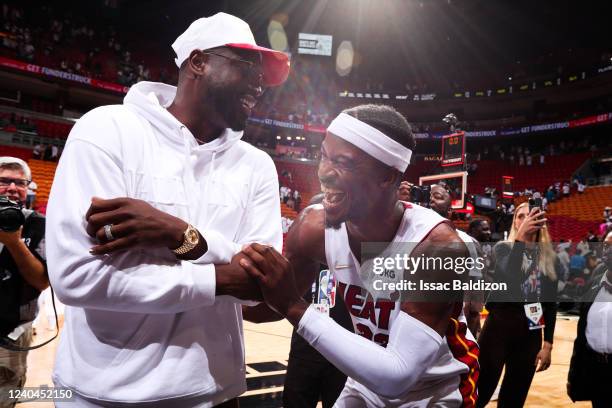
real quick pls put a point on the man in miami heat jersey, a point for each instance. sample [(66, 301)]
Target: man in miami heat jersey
[(405, 352)]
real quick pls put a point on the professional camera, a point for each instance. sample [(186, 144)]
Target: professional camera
[(451, 120), (11, 215), (420, 195)]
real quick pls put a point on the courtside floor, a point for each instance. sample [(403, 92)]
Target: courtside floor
[(267, 348)]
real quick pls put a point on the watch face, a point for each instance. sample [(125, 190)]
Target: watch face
[(192, 236)]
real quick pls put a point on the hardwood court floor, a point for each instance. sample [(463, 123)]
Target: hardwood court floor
[(269, 343)]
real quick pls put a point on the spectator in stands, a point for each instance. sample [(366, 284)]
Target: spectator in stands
[(542, 159), (521, 160), (550, 194), (582, 246), (36, 152), (290, 200), (47, 152), (54, 153), (284, 193), (566, 189), (607, 212), (288, 196), (297, 200), (528, 159), (31, 196)]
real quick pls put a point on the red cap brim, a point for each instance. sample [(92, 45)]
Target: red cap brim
[(275, 64)]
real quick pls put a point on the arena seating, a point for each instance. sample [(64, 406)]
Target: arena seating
[(584, 207), (303, 178), (556, 168), (573, 217), (419, 167), (52, 129), (42, 173), (21, 152), (288, 212)]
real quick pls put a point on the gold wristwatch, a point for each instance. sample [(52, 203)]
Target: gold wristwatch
[(191, 238)]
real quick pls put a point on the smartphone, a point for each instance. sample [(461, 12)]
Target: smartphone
[(535, 203)]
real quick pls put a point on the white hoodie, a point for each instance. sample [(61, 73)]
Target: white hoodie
[(140, 325)]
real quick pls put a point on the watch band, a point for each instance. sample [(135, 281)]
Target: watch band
[(191, 238)]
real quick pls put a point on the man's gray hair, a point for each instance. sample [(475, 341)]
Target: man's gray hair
[(4, 160)]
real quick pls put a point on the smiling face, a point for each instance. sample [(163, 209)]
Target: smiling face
[(439, 200), (352, 181), (234, 84)]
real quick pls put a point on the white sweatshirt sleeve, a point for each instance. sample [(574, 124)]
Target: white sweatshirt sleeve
[(131, 281), (389, 372), (262, 222)]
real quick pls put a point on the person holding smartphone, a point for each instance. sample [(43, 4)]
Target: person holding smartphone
[(512, 334)]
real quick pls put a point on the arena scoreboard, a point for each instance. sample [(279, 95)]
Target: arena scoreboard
[(453, 149)]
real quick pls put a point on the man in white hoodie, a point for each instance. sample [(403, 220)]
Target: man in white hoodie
[(152, 202)]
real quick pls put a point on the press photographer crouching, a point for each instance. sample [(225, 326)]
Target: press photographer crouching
[(23, 273)]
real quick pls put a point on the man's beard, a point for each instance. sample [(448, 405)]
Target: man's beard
[(226, 103)]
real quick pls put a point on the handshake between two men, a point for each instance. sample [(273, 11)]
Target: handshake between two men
[(258, 272)]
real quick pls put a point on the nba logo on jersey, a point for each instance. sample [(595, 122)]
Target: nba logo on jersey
[(327, 288)]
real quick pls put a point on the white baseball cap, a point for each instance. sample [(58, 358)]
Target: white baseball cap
[(223, 29), (15, 160)]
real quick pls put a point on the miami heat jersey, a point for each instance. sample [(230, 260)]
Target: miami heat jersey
[(448, 379)]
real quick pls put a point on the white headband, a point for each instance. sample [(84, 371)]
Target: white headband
[(371, 140)]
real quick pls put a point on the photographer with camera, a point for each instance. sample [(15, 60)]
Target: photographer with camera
[(23, 273)]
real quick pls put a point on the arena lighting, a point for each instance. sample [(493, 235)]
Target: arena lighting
[(344, 58), (277, 36), (288, 137), (278, 137)]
